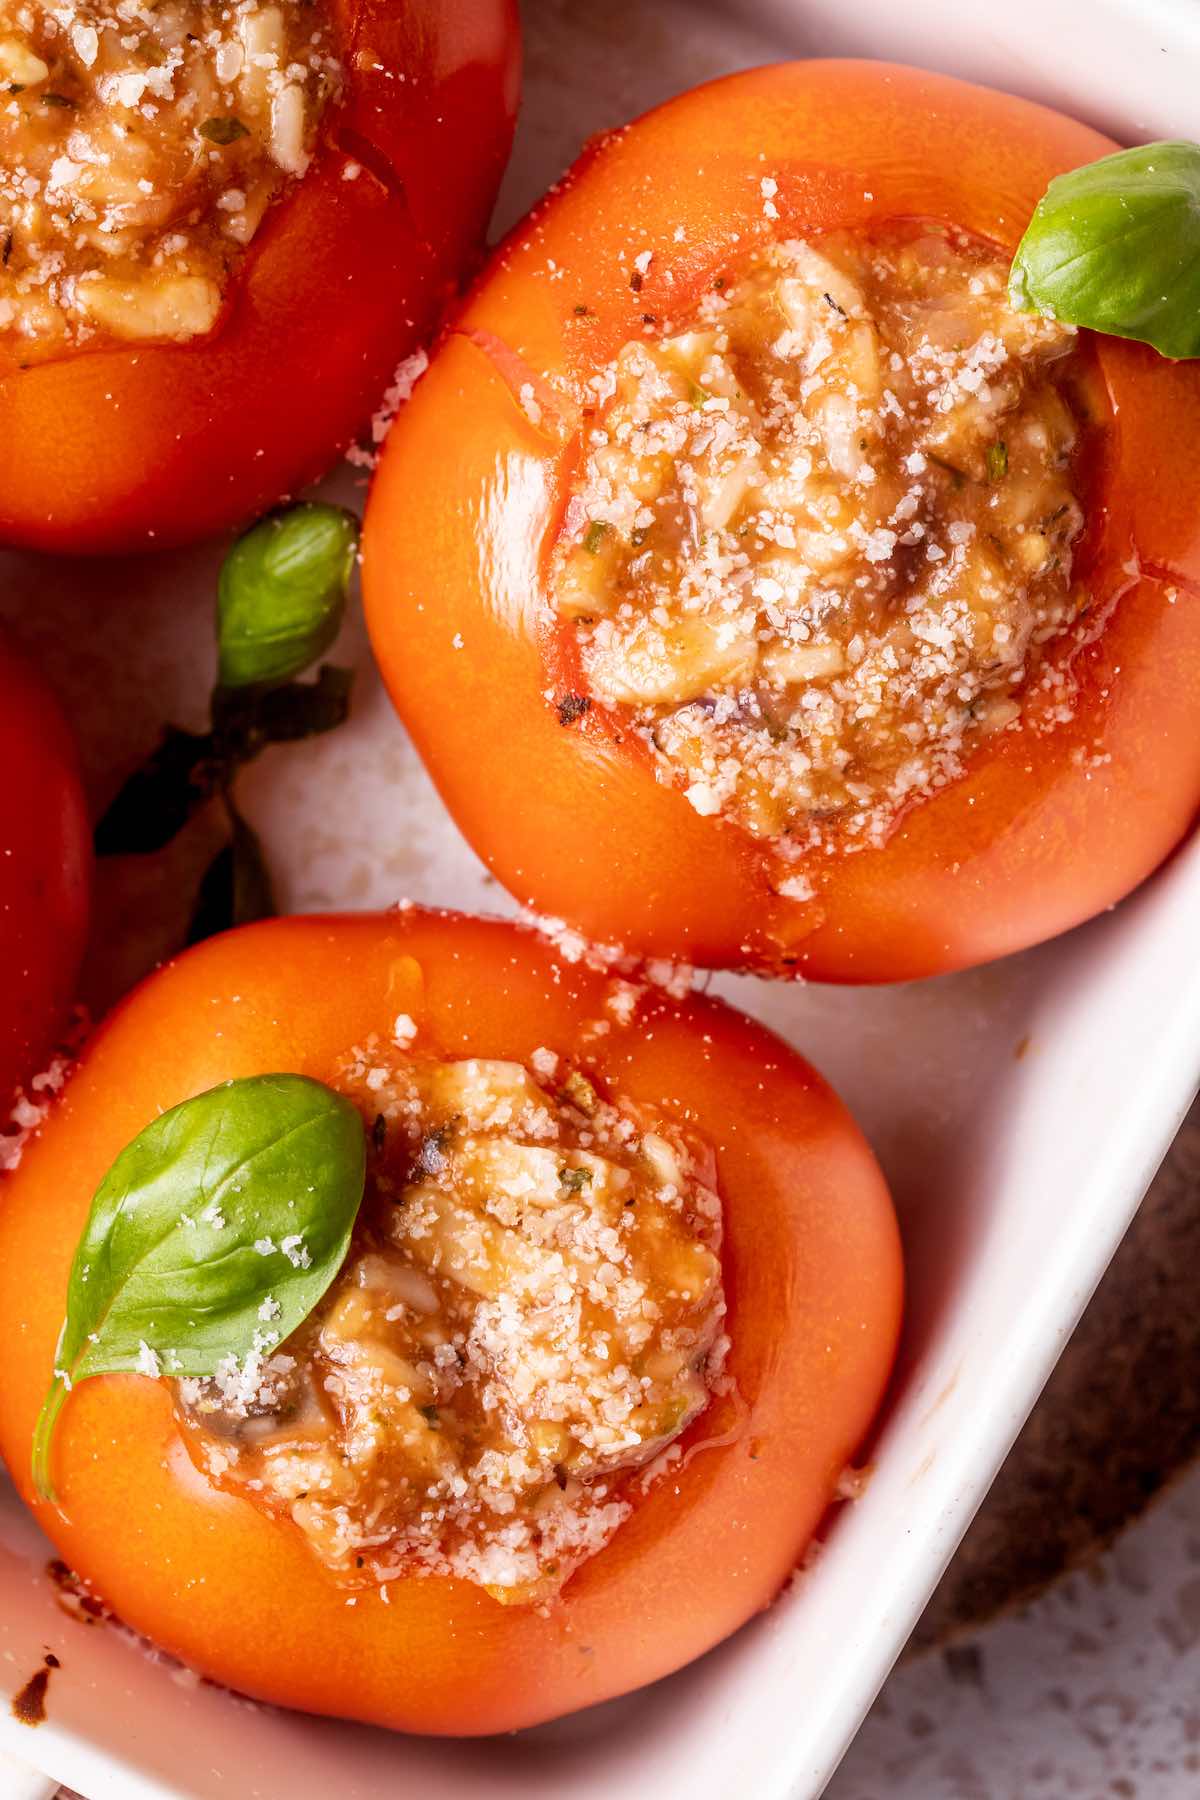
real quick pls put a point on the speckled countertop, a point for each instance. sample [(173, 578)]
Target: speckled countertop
[(1092, 1690)]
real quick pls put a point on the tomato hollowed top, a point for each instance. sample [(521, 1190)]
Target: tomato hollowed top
[(819, 538), (530, 1314), (140, 149)]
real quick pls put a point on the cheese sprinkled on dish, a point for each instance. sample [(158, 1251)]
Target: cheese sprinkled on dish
[(140, 146), (821, 537), (530, 1311)]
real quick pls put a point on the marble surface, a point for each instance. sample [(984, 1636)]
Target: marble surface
[(1091, 1691), (1093, 1688)]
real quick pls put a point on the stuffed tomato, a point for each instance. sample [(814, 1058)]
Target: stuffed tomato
[(225, 226), (619, 1302), (759, 586)]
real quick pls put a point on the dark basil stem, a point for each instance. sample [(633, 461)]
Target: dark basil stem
[(210, 1239), (280, 604), (1115, 246)]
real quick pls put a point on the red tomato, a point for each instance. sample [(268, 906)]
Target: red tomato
[(812, 1275), (158, 444), (1043, 829), (45, 864)]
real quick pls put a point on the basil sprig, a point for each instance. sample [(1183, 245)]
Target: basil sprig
[(280, 604), (1115, 246), (211, 1238)]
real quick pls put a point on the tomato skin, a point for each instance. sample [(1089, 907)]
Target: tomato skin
[(1045, 828), (45, 871), (813, 1279), (146, 446)]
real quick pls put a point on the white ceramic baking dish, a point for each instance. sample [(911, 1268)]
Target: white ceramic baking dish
[(1019, 1110)]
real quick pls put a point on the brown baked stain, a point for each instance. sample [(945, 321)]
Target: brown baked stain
[(29, 1706), (73, 1597), (927, 1463), (943, 1396)]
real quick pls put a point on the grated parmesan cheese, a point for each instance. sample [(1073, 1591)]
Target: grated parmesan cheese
[(140, 147), (821, 541), (530, 1314)]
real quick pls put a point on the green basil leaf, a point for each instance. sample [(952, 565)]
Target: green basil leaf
[(212, 1237), (282, 593), (1115, 246), (159, 798)]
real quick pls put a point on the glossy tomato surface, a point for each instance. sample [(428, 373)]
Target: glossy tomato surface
[(45, 865), (137, 446), (812, 1277), (1050, 823)]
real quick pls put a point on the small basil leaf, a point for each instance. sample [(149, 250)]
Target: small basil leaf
[(1115, 246), (212, 1237), (282, 593), (159, 798)]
